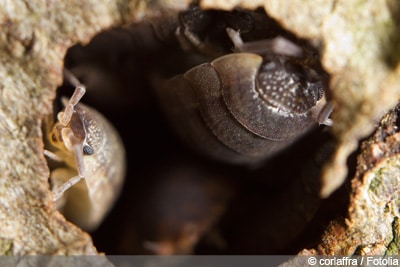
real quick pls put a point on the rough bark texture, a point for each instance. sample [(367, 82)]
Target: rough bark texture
[(34, 38), (360, 52)]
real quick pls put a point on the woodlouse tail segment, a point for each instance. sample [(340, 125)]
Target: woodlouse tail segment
[(277, 45)]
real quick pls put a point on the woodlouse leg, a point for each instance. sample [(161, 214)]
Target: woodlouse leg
[(57, 194), (186, 39), (189, 41), (323, 117), (52, 156), (277, 45)]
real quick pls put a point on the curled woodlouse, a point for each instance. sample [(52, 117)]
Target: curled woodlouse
[(244, 107)]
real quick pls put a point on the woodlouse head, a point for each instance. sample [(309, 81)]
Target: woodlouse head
[(289, 86)]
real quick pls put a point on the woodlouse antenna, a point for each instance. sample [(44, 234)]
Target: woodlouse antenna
[(277, 45), (65, 117), (57, 194), (80, 90)]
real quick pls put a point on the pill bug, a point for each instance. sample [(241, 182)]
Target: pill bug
[(150, 135), (244, 107), (86, 147)]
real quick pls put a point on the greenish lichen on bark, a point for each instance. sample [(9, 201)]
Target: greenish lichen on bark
[(394, 246), (371, 226), (6, 246), (360, 51), (357, 39), (363, 92)]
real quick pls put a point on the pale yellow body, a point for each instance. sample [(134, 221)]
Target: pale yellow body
[(98, 175)]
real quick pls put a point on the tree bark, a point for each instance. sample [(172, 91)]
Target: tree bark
[(360, 51)]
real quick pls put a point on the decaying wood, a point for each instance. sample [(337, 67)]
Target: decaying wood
[(33, 41), (360, 51), (372, 224)]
